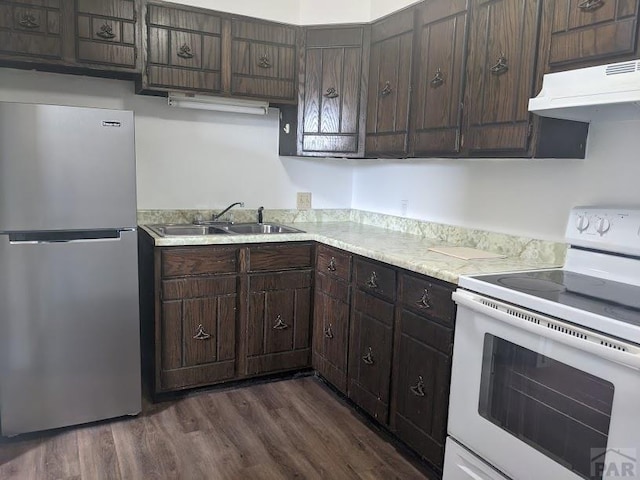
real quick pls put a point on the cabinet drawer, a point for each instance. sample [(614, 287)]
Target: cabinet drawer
[(198, 261), (198, 287), (427, 298), (280, 257), (375, 278), (334, 263)]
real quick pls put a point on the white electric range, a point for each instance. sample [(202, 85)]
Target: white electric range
[(546, 364)]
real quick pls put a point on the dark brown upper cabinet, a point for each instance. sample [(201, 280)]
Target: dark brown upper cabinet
[(106, 34), (441, 29), (390, 85), (264, 60), (32, 31), (501, 74), (97, 37), (333, 91), (588, 32), (184, 49)]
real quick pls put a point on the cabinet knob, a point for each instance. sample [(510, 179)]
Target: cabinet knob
[(332, 265), (368, 358), (185, 52), (280, 325), (201, 334), (264, 62), (437, 80), (501, 66), (373, 280), (328, 332), (418, 388), (331, 93), (386, 90), (590, 5), (29, 20), (424, 301), (106, 32)]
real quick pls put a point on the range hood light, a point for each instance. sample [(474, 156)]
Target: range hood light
[(218, 104)]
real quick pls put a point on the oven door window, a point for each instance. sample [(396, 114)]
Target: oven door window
[(559, 410)]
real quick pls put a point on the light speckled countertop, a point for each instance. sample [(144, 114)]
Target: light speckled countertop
[(404, 250)]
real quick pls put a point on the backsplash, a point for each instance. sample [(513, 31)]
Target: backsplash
[(527, 249)]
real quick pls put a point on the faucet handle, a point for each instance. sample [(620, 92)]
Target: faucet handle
[(260, 210)]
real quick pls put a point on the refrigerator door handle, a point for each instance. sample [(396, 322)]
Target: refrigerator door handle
[(75, 236)]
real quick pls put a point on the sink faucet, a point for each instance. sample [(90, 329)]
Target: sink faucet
[(260, 210), (215, 217)]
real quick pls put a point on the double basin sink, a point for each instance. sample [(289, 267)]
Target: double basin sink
[(186, 229)]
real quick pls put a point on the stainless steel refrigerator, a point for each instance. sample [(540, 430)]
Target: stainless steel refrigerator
[(69, 329)]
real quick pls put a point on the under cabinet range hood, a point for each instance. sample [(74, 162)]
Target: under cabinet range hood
[(606, 92)]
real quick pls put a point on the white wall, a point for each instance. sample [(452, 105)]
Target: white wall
[(523, 197), (380, 8), (287, 11), (313, 12), (190, 159)]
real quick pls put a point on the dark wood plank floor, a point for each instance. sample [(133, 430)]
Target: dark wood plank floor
[(279, 430)]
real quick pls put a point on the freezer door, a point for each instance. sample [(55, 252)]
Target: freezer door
[(66, 168), (69, 332)]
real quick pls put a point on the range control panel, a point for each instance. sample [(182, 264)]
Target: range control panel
[(609, 229)]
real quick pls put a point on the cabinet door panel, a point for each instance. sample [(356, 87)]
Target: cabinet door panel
[(350, 109), (106, 33), (331, 338), (421, 393), (333, 60), (370, 347), (500, 75), (279, 318), (331, 96), (33, 32), (582, 36), (439, 76), (171, 346), (215, 341)]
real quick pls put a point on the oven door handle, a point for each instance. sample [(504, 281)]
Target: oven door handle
[(551, 328)]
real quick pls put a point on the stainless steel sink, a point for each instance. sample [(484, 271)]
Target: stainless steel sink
[(186, 229), (260, 228)]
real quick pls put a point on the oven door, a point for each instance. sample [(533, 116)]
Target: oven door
[(542, 399)]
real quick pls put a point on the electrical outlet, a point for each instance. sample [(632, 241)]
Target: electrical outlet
[(304, 201), (404, 204)]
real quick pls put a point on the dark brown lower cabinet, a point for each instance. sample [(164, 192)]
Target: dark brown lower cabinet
[(331, 332), (197, 331), (370, 347), (421, 386), (278, 326)]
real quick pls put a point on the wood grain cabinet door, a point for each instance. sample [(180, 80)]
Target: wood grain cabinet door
[(588, 31), (333, 92), (279, 322), (421, 386), (370, 347), (331, 330), (501, 73), (263, 60), (197, 331), (32, 31), (106, 34), (390, 86), (183, 50), (439, 76)]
